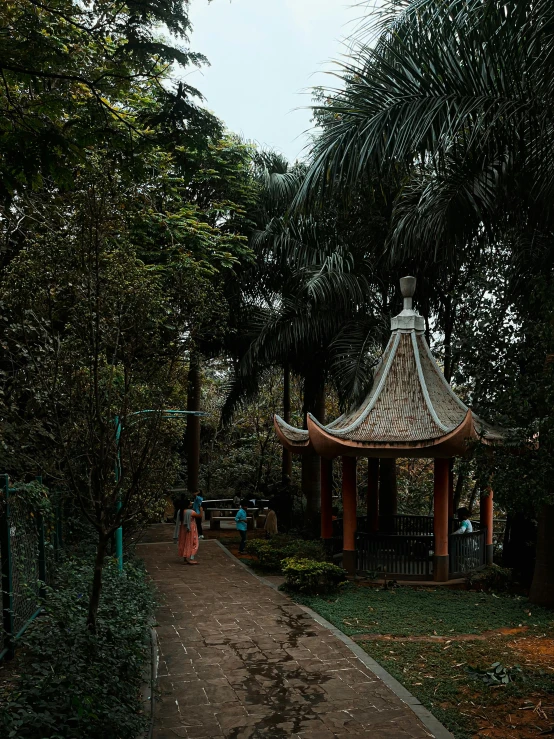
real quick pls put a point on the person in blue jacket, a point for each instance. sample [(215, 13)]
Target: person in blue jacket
[(240, 520)]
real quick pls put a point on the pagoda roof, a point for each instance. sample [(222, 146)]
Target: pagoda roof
[(411, 410)]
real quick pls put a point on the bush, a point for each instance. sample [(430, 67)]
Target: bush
[(71, 683), (311, 576), (269, 558), (492, 577), (272, 552)]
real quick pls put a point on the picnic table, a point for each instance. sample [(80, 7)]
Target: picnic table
[(216, 517)]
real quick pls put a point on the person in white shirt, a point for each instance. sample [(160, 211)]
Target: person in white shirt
[(465, 523)]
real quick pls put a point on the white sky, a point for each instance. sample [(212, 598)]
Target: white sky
[(265, 56)]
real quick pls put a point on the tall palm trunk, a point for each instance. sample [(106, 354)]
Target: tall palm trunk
[(286, 464), (542, 587), (388, 493), (192, 437), (314, 402)]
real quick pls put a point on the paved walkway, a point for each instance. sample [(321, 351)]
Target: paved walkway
[(240, 660)]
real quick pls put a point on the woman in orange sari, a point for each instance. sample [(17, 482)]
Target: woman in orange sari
[(188, 534)]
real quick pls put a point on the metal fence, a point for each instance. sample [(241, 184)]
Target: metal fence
[(28, 548)]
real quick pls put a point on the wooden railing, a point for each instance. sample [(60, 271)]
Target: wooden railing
[(395, 554), (405, 547), (467, 552), (404, 524), (407, 525)]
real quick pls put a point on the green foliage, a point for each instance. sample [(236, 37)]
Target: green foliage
[(73, 77), (72, 684), (245, 455), (497, 674), (35, 497), (422, 612), (311, 576), (272, 552)]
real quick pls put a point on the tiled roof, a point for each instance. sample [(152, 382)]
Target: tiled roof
[(410, 405)]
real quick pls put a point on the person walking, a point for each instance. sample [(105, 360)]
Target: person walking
[(240, 521), (270, 526), (197, 506), (188, 533)]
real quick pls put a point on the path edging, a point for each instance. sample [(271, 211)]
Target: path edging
[(150, 684), (424, 715)]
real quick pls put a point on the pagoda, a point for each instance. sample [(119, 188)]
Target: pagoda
[(410, 411)]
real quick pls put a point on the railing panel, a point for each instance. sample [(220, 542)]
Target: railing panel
[(395, 555), (467, 552)]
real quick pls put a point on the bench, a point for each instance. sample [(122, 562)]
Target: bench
[(215, 522)]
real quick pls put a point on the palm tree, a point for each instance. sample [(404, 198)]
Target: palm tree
[(307, 305), (458, 96)]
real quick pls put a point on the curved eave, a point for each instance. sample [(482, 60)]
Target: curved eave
[(295, 440), (488, 434), (451, 444)]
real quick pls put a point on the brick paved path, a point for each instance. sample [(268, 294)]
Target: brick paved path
[(238, 660)]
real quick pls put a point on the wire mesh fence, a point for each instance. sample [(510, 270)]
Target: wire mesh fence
[(24, 557), (28, 550)]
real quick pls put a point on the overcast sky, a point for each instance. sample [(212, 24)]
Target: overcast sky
[(265, 55)]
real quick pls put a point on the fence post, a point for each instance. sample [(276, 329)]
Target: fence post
[(7, 584), (41, 548)]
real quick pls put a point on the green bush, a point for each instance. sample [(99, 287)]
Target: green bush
[(272, 552), (492, 577), (73, 684), (311, 576)]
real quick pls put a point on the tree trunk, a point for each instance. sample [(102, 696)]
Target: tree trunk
[(314, 402), (520, 545), (459, 489), (473, 498), (286, 465), (542, 587), (449, 311), (388, 493), (192, 437), (311, 484), (94, 601)]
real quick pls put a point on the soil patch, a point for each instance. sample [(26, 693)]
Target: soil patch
[(535, 651), (445, 639)]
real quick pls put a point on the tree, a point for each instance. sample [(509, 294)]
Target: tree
[(88, 332), (459, 96), (69, 76)]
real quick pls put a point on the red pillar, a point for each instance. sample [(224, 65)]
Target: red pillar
[(349, 514), (486, 519), (440, 563), (326, 499), (373, 494)]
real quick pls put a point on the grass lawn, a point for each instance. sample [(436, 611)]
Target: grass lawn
[(432, 639)]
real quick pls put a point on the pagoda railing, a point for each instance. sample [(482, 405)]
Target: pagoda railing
[(395, 554), (467, 552), (404, 524)]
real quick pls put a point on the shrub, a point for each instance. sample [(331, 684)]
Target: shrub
[(71, 683), (492, 577), (272, 552), (269, 558), (311, 576)]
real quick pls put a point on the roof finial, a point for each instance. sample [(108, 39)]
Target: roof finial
[(407, 288)]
